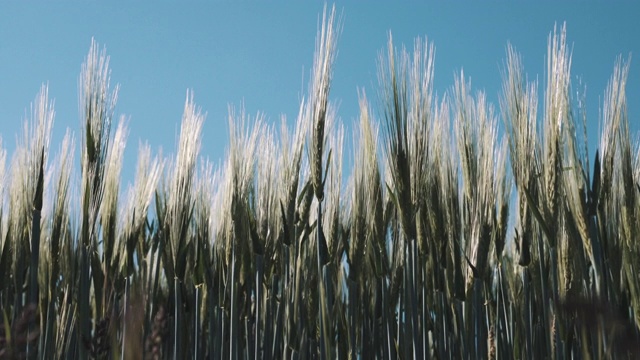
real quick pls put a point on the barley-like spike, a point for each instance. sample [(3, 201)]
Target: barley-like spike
[(319, 92), (557, 119)]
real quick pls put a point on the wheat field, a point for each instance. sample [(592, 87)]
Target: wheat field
[(464, 230)]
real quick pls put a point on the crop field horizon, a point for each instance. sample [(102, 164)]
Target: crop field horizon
[(434, 226)]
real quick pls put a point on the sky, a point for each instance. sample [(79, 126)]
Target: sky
[(259, 54)]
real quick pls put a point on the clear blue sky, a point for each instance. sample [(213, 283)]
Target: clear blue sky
[(260, 53)]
